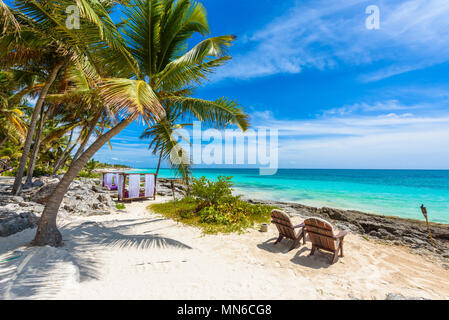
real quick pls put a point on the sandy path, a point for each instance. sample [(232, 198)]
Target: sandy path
[(138, 255)]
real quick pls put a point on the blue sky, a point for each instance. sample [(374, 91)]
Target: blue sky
[(341, 96)]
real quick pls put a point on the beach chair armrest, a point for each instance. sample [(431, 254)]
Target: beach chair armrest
[(341, 234), (302, 225)]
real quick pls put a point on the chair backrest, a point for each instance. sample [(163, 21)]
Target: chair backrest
[(283, 224), (320, 233)]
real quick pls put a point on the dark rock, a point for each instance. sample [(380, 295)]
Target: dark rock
[(42, 195), (334, 214), (106, 199), (11, 222)]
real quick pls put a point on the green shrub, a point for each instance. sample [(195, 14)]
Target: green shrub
[(120, 206), (211, 192), (91, 175), (213, 208)]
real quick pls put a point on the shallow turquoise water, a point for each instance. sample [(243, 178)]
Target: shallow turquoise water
[(387, 192)]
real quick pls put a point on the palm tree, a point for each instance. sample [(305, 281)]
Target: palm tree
[(12, 124), (35, 34), (91, 166), (159, 70), (164, 144)]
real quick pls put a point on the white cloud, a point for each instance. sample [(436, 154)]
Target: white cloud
[(386, 134), (322, 34), (390, 105), (391, 140)]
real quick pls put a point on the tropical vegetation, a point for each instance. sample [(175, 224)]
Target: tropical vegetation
[(67, 89), (212, 207)]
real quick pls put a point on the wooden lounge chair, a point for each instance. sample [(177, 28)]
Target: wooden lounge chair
[(322, 236), (286, 229)]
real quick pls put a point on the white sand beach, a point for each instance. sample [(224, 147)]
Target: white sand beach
[(139, 255)]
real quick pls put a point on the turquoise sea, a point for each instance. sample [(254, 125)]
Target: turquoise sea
[(385, 192)]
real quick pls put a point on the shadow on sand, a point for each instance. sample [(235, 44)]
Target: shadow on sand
[(41, 272), (318, 261), (281, 247)]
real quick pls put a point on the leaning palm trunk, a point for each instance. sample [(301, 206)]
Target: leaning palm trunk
[(63, 159), (64, 154), (36, 147), (17, 187), (86, 140), (47, 232)]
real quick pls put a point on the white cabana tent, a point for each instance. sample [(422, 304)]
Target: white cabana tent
[(136, 186)]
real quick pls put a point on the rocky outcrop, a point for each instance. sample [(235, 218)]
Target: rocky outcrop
[(16, 215), (392, 230), (85, 197), (164, 189)]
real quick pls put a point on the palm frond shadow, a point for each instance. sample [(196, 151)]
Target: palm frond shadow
[(42, 272), (91, 236), (39, 273)]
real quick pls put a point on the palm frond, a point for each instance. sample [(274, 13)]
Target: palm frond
[(130, 96), (220, 113), (7, 18)]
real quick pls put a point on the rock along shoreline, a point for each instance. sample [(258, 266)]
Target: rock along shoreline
[(391, 230)]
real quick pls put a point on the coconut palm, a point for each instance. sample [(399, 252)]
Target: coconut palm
[(36, 34), (159, 70), (164, 143), (12, 124), (174, 71)]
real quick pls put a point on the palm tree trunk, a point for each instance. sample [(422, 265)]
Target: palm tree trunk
[(36, 147), (86, 140), (17, 187), (159, 164), (64, 154), (63, 160), (47, 231)]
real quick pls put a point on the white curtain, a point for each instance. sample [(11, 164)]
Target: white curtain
[(116, 177), (149, 185), (108, 180), (134, 186), (121, 180)]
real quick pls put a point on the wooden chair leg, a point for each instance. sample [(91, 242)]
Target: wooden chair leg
[(296, 244), (279, 239), (313, 250), (335, 257), (341, 249)]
